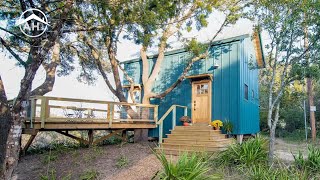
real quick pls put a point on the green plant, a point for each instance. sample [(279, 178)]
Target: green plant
[(51, 175), (310, 164), (188, 167), (122, 161), (250, 152), (89, 175), (51, 156), (228, 126)]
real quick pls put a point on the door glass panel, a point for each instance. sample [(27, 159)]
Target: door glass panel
[(202, 89)]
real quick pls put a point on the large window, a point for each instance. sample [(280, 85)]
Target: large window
[(246, 93)]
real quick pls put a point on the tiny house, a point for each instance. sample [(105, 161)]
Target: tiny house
[(225, 86)]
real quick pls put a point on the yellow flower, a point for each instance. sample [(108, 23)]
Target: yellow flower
[(216, 123)]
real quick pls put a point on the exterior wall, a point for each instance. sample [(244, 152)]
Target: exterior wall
[(227, 88), (249, 74)]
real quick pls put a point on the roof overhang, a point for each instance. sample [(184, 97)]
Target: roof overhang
[(135, 86), (258, 49), (200, 77)]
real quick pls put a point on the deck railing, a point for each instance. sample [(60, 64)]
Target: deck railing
[(172, 109), (56, 109)]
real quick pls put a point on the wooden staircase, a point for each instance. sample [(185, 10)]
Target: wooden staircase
[(194, 139)]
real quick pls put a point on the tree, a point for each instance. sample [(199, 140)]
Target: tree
[(30, 54), (284, 23)]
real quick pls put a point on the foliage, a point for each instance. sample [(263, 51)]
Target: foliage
[(114, 140), (52, 175), (228, 126), (185, 119), (89, 175), (216, 123), (310, 164), (122, 161), (188, 167), (264, 172), (250, 152)]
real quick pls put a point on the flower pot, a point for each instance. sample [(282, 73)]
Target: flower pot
[(185, 124)]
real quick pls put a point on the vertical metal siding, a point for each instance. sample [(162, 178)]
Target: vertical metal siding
[(227, 86)]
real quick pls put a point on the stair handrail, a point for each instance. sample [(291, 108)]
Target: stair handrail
[(173, 108)]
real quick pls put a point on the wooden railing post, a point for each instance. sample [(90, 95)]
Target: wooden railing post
[(44, 113), (160, 133), (155, 114), (174, 116), (110, 113), (33, 111)]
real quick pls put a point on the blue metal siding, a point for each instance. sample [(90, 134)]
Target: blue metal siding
[(249, 109), (227, 87), (225, 98)]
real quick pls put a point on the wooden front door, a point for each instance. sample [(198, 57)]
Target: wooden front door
[(201, 102)]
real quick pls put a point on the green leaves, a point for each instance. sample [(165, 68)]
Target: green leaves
[(193, 166)]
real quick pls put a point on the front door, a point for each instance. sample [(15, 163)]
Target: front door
[(201, 102)]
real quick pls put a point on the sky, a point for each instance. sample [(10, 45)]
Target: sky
[(68, 86)]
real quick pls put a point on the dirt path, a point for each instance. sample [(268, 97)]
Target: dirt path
[(129, 162), (284, 150)]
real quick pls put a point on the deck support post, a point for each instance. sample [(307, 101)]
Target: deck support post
[(90, 137), (25, 148), (74, 137), (240, 138)]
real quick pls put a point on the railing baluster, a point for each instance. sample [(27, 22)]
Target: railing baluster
[(185, 111), (155, 115), (174, 116), (33, 110), (111, 114), (160, 133), (43, 115)]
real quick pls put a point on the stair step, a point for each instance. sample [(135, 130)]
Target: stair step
[(199, 141), (195, 137), (177, 152), (195, 132), (193, 146), (193, 128)]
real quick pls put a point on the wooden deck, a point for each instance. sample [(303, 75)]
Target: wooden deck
[(53, 113), (68, 114)]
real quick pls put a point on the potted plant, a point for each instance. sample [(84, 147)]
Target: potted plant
[(228, 127), (185, 120), (216, 124)]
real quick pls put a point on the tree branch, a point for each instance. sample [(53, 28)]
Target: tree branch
[(15, 55), (181, 77)]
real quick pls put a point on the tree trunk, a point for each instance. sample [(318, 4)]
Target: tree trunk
[(5, 123), (272, 139), (312, 114), (13, 146), (272, 134), (141, 135)]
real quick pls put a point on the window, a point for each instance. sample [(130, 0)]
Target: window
[(202, 89), (246, 95)]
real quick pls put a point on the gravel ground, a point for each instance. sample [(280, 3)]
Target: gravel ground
[(139, 163)]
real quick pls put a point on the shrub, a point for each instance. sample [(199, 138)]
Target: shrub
[(310, 164), (250, 152), (264, 172), (122, 161), (188, 167), (89, 175)]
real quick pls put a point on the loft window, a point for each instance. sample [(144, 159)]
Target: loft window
[(246, 95)]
